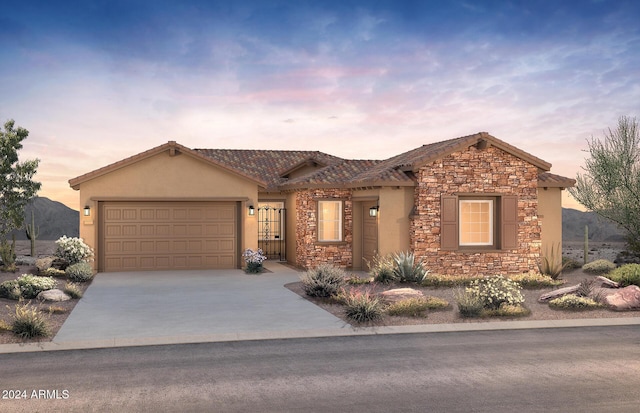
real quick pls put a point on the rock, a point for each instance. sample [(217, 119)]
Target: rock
[(399, 294), (624, 299), (558, 293), (42, 264), (601, 281), (53, 295)]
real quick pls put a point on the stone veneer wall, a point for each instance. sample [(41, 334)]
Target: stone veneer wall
[(309, 252), (476, 171)]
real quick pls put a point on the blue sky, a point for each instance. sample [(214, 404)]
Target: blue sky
[(97, 81)]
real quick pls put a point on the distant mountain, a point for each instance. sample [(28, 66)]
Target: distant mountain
[(54, 219), (600, 230)]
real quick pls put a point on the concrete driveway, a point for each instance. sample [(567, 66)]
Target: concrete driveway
[(134, 305)]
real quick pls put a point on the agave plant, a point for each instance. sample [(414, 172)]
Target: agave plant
[(407, 269)]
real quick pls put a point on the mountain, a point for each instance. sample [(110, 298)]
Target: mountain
[(600, 230), (53, 218)]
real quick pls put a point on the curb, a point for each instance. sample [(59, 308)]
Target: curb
[(347, 331)]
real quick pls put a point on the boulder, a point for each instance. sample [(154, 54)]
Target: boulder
[(53, 295), (399, 294), (601, 282), (42, 264), (558, 293), (624, 299)]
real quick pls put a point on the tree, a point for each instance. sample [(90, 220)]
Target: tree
[(610, 185), (17, 186)]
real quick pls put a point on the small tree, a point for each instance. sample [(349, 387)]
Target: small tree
[(610, 185), (17, 186)]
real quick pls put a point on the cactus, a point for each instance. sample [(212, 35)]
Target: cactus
[(586, 244), (32, 234), (8, 255)]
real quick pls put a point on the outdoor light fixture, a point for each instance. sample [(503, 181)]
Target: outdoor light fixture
[(252, 210), (373, 211), (87, 211)]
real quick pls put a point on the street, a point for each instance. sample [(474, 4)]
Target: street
[(547, 370)]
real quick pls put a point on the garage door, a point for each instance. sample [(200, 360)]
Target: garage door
[(168, 235)]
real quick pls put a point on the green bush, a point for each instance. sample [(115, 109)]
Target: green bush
[(355, 280), (469, 303), (10, 289), (362, 307), (574, 302), (438, 280), (507, 310), (53, 272), (407, 269), (28, 322), (628, 274), (79, 272), (435, 303), (32, 285), (73, 250), (381, 269), (599, 267), (570, 263), (72, 290), (496, 291), (410, 307), (535, 280), (323, 281)]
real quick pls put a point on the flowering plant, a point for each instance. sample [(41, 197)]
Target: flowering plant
[(73, 250), (496, 291), (254, 260)]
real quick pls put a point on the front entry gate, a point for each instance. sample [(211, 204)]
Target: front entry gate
[(271, 230)]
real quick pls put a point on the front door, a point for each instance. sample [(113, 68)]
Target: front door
[(369, 233)]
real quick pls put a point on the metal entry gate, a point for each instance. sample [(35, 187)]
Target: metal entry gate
[(271, 232)]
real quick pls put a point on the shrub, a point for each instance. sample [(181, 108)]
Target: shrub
[(469, 303), (410, 307), (435, 303), (53, 272), (406, 269), (599, 267), (4, 326), (495, 291), (54, 309), (73, 250), (507, 310), (574, 302), (254, 260), (533, 279), (10, 289), (79, 272), (323, 281), (628, 274), (355, 280), (570, 263), (72, 290), (381, 269), (551, 263), (362, 306), (28, 322), (32, 285), (437, 280)]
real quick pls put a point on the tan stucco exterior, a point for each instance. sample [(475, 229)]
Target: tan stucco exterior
[(550, 214), (164, 176)]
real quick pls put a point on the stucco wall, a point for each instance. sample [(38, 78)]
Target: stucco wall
[(309, 252), (550, 213), (476, 171), (165, 177)]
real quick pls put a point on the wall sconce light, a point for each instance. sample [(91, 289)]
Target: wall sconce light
[(87, 211), (373, 211), (252, 210)]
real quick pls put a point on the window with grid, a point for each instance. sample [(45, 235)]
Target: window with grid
[(476, 222), (329, 221)]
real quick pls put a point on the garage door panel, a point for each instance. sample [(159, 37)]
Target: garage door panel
[(169, 235)]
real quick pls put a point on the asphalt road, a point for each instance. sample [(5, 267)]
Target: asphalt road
[(550, 370)]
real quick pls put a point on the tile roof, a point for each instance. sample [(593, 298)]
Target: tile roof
[(267, 165), (549, 180)]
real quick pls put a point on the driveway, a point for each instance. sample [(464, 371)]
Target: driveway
[(191, 303)]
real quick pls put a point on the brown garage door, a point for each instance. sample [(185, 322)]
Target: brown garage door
[(168, 235)]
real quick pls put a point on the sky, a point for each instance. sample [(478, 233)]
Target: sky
[(96, 81)]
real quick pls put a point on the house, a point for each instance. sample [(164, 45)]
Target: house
[(470, 205)]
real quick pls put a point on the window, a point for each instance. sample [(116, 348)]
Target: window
[(329, 221), (476, 222), (479, 222)]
